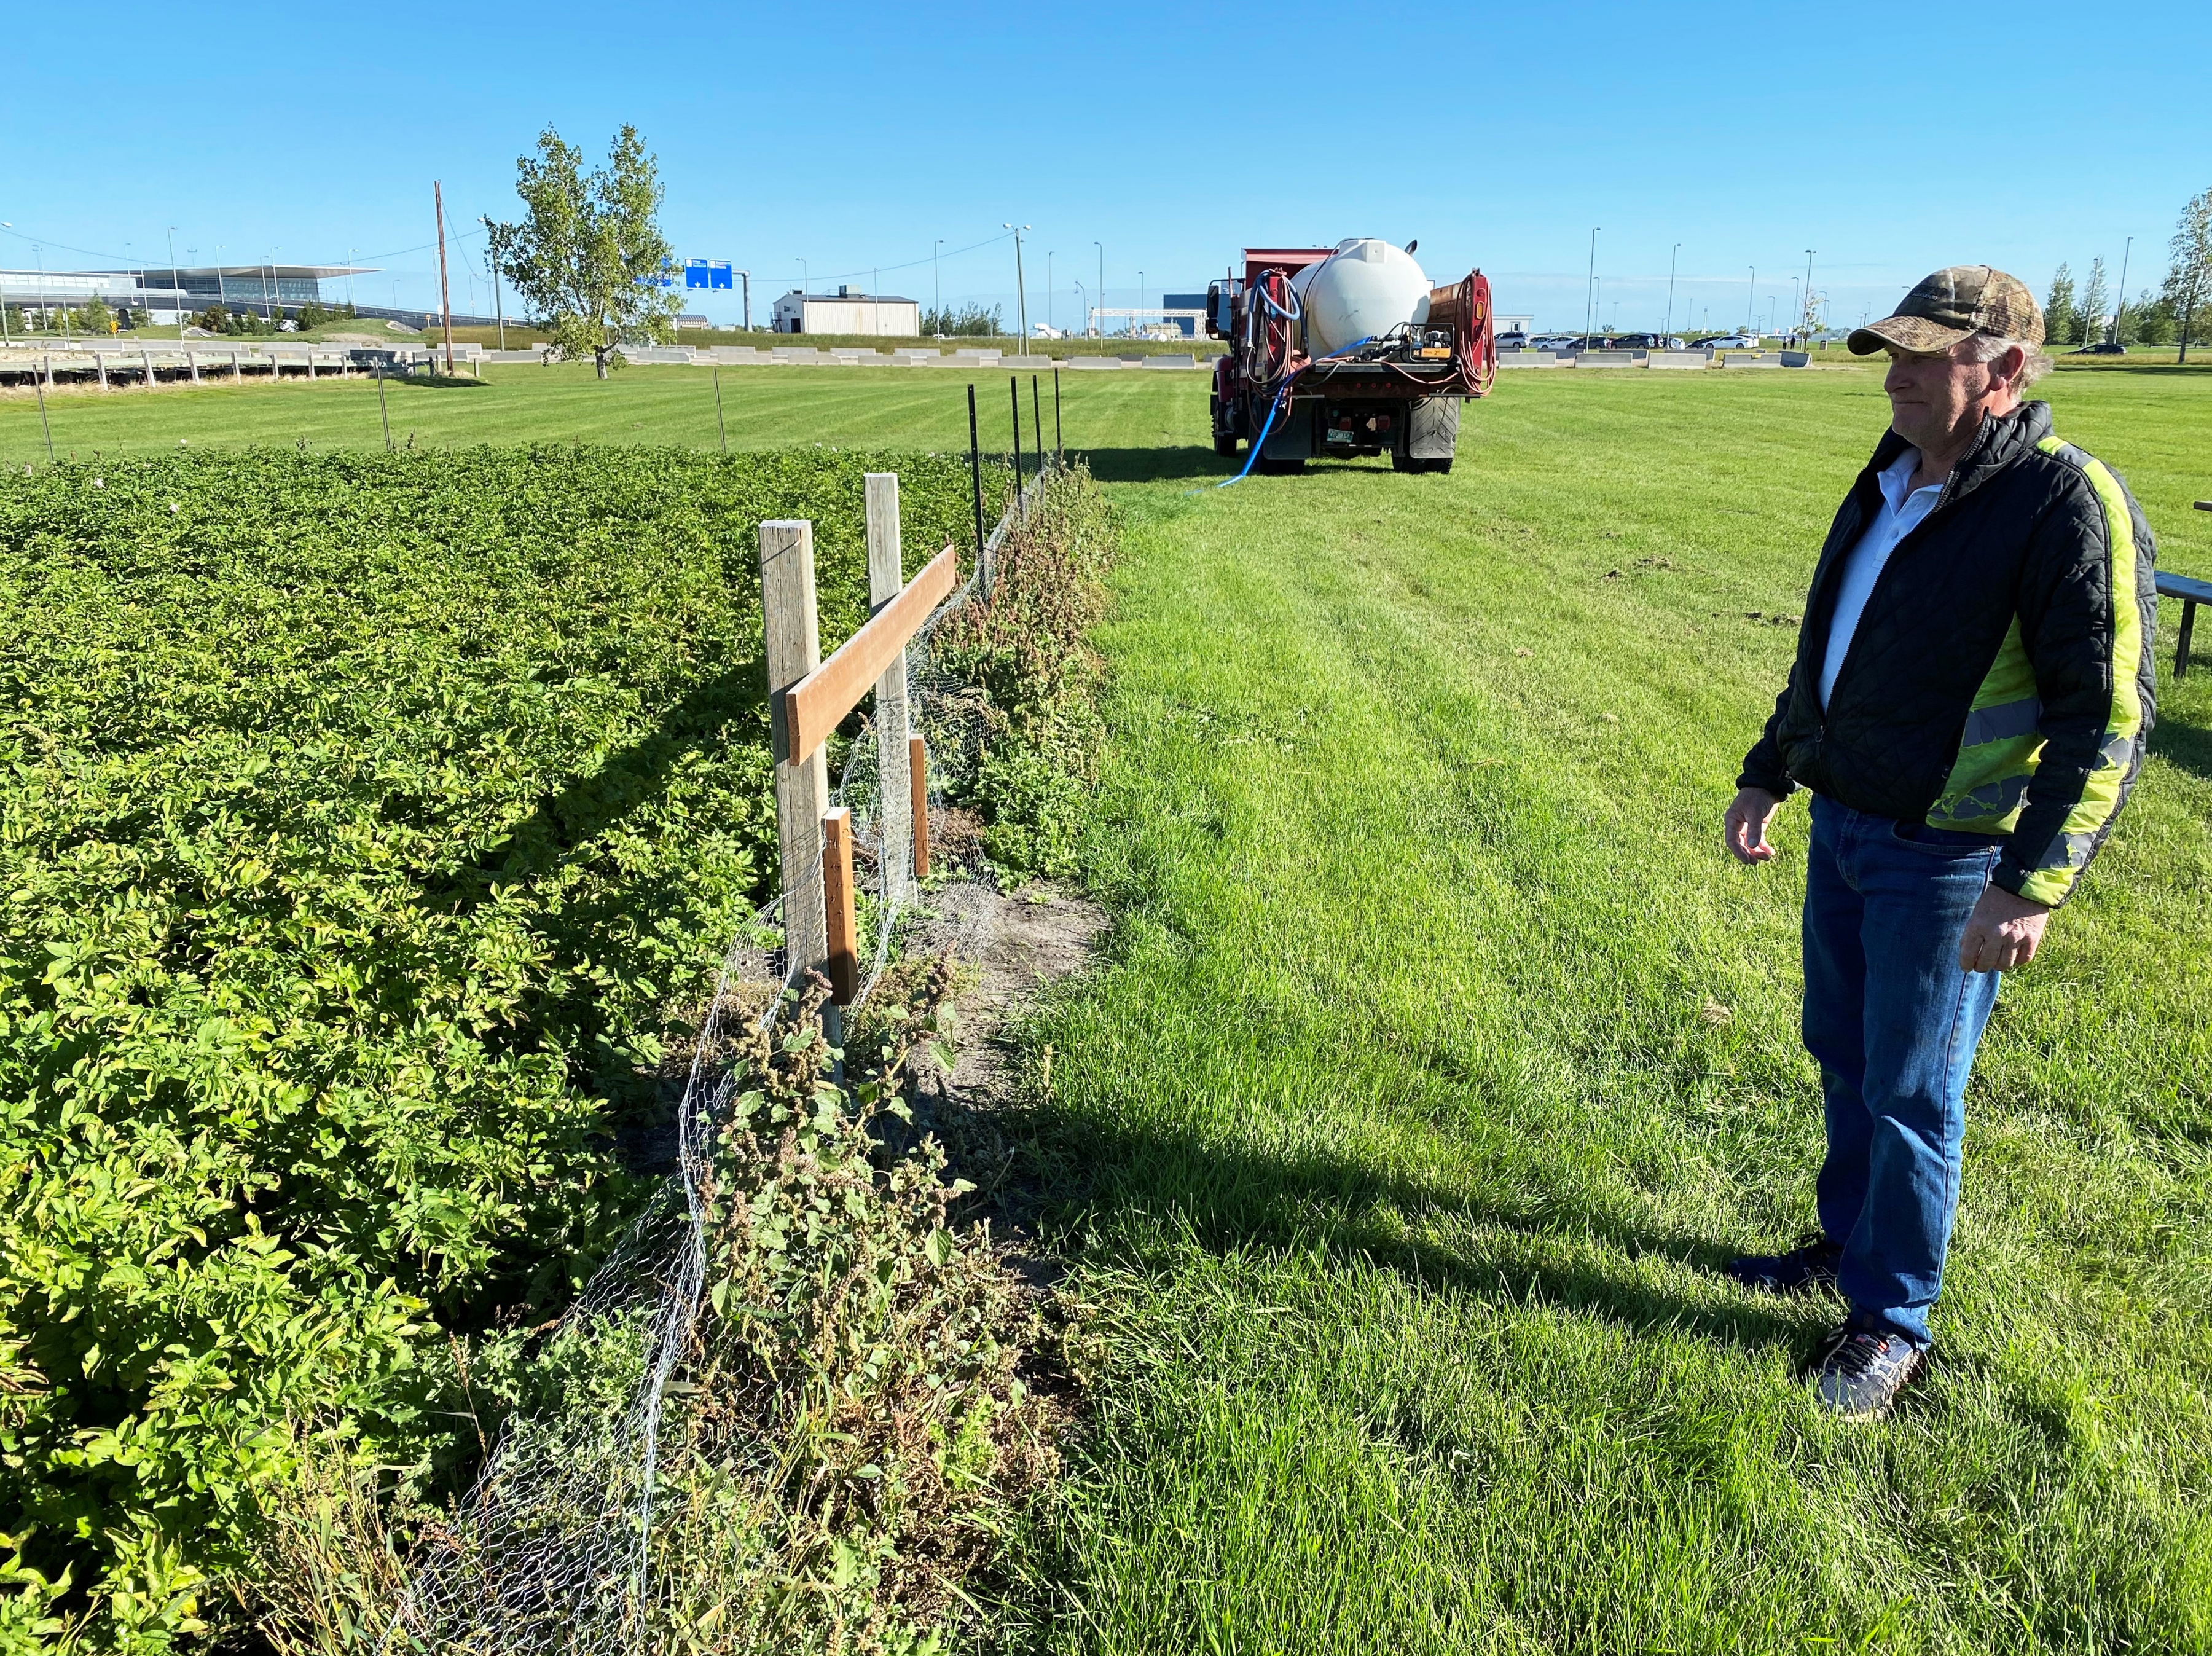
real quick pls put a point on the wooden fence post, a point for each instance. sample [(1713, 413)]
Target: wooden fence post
[(886, 580), (794, 641)]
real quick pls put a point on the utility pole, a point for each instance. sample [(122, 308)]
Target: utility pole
[(2120, 294), (748, 276), (445, 298), (1666, 328), (1590, 287), (1796, 300), (1021, 292), (499, 304), (937, 286), (1047, 287), (1806, 315), (1751, 320), (1101, 282)]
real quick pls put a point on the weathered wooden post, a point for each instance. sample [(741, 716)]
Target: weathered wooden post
[(146, 356), (886, 580), (192, 365), (794, 641), (100, 367)]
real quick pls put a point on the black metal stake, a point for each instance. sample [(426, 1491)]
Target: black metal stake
[(719, 423), (1014, 392), (44, 422), (384, 411), (975, 474), (1036, 423), (1059, 441)]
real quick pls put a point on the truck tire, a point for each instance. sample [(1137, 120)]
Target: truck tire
[(1402, 461), (1433, 430), (1225, 445)]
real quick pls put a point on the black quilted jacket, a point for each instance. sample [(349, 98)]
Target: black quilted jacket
[(2000, 679)]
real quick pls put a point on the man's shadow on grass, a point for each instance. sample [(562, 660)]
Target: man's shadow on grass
[(2188, 746), (1048, 1170)]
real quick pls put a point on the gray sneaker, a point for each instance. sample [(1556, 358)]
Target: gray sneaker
[(1864, 1368)]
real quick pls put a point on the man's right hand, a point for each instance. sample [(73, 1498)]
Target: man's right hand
[(1743, 830)]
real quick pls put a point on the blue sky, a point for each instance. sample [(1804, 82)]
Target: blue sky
[(853, 138)]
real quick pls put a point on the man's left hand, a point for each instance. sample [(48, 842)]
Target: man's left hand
[(2004, 932)]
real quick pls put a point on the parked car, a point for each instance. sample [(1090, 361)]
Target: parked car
[(2102, 348), (1636, 342), (1513, 341), (1729, 342)]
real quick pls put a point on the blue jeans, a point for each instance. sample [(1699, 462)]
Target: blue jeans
[(1893, 1023)]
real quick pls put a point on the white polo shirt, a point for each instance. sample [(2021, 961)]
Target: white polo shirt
[(1900, 513)]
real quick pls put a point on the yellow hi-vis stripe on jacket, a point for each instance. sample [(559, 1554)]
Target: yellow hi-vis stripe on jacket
[(2056, 864)]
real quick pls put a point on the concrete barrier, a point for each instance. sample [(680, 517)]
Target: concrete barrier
[(1607, 359), (1528, 359), (1698, 359), (1094, 361), (1750, 362), (1172, 359)]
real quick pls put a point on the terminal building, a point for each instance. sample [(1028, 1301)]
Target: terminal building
[(848, 311), (270, 290)]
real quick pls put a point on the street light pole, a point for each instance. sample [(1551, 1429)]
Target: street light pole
[(1047, 287), (1141, 295), (1021, 290), (2120, 294), (1086, 305), (937, 287), (177, 286), (1102, 282), (1666, 327), (1590, 287), (1751, 319), (1805, 316), (747, 276)]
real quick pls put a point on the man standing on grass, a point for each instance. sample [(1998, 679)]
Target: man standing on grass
[(1969, 705)]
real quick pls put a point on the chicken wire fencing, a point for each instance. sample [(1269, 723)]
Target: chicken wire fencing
[(562, 1545)]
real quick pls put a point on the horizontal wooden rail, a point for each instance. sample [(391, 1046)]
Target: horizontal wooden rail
[(813, 706)]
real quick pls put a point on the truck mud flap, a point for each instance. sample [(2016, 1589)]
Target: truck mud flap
[(1292, 438), (1432, 429)]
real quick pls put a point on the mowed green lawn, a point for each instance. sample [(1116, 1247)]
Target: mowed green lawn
[(1440, 1055), (761, 408)]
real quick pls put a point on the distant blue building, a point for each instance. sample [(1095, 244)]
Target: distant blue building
[(1184, 301)]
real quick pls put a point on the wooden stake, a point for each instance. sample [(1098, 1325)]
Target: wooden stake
[(793, 649), (917, 758), (842, 950)]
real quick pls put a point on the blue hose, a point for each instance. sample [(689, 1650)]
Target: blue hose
[(1252, 459)]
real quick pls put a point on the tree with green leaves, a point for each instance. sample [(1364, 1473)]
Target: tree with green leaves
[(2189, 264), (589, 256), (2059, 315)]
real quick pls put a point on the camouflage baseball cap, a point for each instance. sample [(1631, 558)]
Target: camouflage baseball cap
[(1945, 308)]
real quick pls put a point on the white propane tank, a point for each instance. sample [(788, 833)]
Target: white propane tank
[(1366, 287)]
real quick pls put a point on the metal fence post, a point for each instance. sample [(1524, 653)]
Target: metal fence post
[(794, 641), (976, 475), (886, 580)]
